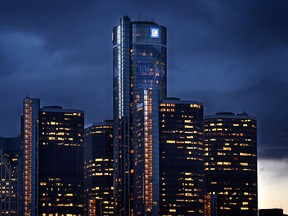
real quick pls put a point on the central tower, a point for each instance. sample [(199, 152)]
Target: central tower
[(139, 82)]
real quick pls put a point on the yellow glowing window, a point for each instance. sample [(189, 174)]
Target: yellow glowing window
[(195, 106)]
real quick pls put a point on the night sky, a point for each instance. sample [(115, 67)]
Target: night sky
[(231, 55)]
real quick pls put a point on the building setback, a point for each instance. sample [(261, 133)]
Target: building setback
[(10, 176), (98, 174), (139, 82), (231, 162), (181, 158), (61, 161)]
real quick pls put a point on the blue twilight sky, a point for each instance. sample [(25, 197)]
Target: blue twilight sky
[(231, 55)]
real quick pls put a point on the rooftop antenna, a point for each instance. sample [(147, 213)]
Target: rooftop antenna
[(244, 111), (28, 94)]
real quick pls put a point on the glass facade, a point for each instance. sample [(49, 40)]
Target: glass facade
[(98, 169), (181, 158), (61, 161), (231, 162), (139, 64), (30, 121)]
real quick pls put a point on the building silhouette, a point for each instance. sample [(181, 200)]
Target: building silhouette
[(98, 173), (139, 82), (181, 157), (231, 162), (271, 212), (10, 176)]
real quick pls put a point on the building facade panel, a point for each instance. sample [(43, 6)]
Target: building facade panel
[(181, 158), (98, 163), (231, 162), (61, 161)]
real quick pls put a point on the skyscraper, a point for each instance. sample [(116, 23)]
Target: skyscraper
[(29, 132), (61, 161), (139, 82), (98, 163), (181, 158), (231, 162)]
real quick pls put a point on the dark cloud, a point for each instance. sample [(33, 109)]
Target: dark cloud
[(229, 54), (267, 101)]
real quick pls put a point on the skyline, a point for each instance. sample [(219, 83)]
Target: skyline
[(203, 48)]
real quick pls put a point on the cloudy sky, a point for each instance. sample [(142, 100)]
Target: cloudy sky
[(232, 55)]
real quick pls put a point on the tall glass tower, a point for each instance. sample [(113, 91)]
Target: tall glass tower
[(139, 82)]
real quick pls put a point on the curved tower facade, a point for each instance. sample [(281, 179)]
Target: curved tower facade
[(139, 82)]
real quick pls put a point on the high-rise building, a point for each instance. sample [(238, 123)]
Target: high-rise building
[(231, 162), (98, 165), (61, 161), (53, 160), (29, 133), (181, 157), (10, 176), (139, 82)]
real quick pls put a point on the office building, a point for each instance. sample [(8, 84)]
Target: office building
[(29, 134), (61, 161), (98, 169), (231, 162), (10, 176), (181, 157), (139, 82)]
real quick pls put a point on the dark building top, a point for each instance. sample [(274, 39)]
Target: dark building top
[(106, 122), (59, 109), (271, 212), (243, 115), (178, 100), (10, 145)]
